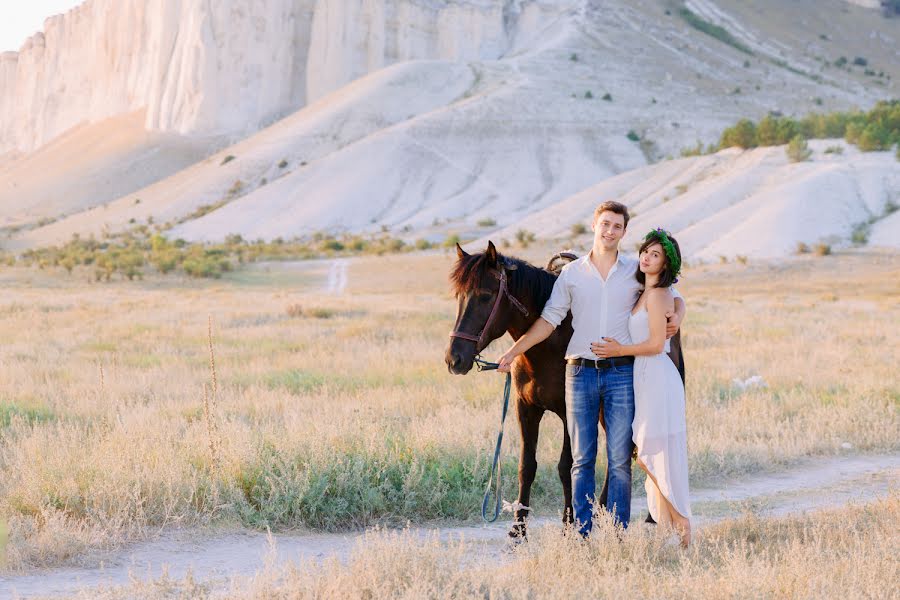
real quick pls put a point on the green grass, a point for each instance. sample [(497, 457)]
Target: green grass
[(713, 30), (10, 411)]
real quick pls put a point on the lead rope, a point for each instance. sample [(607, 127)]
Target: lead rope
[(484, 365)]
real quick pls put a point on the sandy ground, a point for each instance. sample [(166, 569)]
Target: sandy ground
[(215, 558)]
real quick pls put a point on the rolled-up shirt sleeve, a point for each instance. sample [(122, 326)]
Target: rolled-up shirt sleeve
[(560, 301), (675, 293)]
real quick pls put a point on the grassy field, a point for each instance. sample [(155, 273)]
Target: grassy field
[(329, 412), (847, 553)]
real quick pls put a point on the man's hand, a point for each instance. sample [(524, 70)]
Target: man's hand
[(505, 362), (673, 323)]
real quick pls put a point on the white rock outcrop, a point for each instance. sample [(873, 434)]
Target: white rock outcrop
[(229, 66)]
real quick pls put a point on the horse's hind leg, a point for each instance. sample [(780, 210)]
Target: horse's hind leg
[(565, 476), (529, 426)]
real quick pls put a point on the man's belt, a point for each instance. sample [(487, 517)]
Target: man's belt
[(601, 363)]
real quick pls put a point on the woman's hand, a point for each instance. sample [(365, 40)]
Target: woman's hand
[(609, 348)]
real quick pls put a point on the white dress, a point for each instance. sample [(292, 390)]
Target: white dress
[(659, 430)]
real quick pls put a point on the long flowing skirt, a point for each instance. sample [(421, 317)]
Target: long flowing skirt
[(660, 432)]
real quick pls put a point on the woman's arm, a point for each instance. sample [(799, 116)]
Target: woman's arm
[(659, 301)]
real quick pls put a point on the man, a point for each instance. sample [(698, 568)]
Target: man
[(600, 289)]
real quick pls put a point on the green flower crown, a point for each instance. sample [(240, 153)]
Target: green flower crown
[(662, 236)]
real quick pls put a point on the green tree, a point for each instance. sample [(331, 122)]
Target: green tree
[(873, 138), (743, 135)]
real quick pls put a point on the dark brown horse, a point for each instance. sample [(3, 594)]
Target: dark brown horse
[(497, 295)]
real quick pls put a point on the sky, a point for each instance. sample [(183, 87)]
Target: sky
[(20, 19)]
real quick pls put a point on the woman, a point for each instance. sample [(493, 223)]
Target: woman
[(659, 430)]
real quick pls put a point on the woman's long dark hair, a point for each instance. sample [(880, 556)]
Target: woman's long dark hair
[(668, 276)]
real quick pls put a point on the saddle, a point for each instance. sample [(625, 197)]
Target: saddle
[(559, 260)]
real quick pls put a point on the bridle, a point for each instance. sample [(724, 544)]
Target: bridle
[(504, 291)]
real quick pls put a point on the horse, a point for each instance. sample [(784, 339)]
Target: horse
[(497, 294)]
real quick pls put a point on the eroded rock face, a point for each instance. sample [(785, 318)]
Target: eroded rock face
[(230, 66)]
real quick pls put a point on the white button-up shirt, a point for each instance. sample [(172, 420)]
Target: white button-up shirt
[(600, 308)]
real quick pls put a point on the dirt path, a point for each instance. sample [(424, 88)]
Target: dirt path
[(337, 277), (216, 557)]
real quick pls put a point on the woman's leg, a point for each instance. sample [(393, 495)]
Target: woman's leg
[(668, 516)]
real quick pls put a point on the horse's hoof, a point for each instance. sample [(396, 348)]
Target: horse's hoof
[(518, 533)]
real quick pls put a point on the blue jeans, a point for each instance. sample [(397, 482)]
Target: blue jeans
[(586, 390)]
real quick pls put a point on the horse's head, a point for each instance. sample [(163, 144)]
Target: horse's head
[(479, 282)]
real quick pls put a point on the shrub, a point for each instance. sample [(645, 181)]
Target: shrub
[(802, 248), (579, 229), (607, 96), (205, 209), (487, 222), (743, 135), (860, 234), (226, 160), (588, 94), (873, 138), (202, 267), (890, 207), (823, 249), (236, 188), (573, 57), (840, 62), (693, 150), (859, 61), (524, 237), (713, 30), (631, 135), (798, 150), (332, 245), (294, 311), (282, 164), (422, 244), (451, 241), (834, 150)]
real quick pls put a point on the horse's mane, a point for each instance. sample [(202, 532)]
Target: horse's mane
[(525, 280)]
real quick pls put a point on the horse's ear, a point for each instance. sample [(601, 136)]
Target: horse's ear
[(460, 252), (491, 253)]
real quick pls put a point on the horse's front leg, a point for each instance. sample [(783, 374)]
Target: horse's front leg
[(529, 426)]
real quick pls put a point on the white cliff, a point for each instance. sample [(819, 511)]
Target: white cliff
[(194, 67), (230, 66)]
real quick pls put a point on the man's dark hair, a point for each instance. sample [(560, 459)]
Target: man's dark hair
[(667, 277)]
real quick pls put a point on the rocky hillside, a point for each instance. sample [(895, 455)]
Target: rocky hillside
[(491, 111)]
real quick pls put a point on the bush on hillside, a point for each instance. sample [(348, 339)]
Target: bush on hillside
[(798, 150), (742, 135)]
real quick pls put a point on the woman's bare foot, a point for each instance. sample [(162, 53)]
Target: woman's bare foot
[(683, 527)]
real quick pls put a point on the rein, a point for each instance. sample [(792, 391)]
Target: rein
[(494, 476)]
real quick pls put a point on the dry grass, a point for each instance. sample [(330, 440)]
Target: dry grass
[(352, 420), (847, 553)]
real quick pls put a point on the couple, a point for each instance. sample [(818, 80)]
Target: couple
[(623, 311)]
